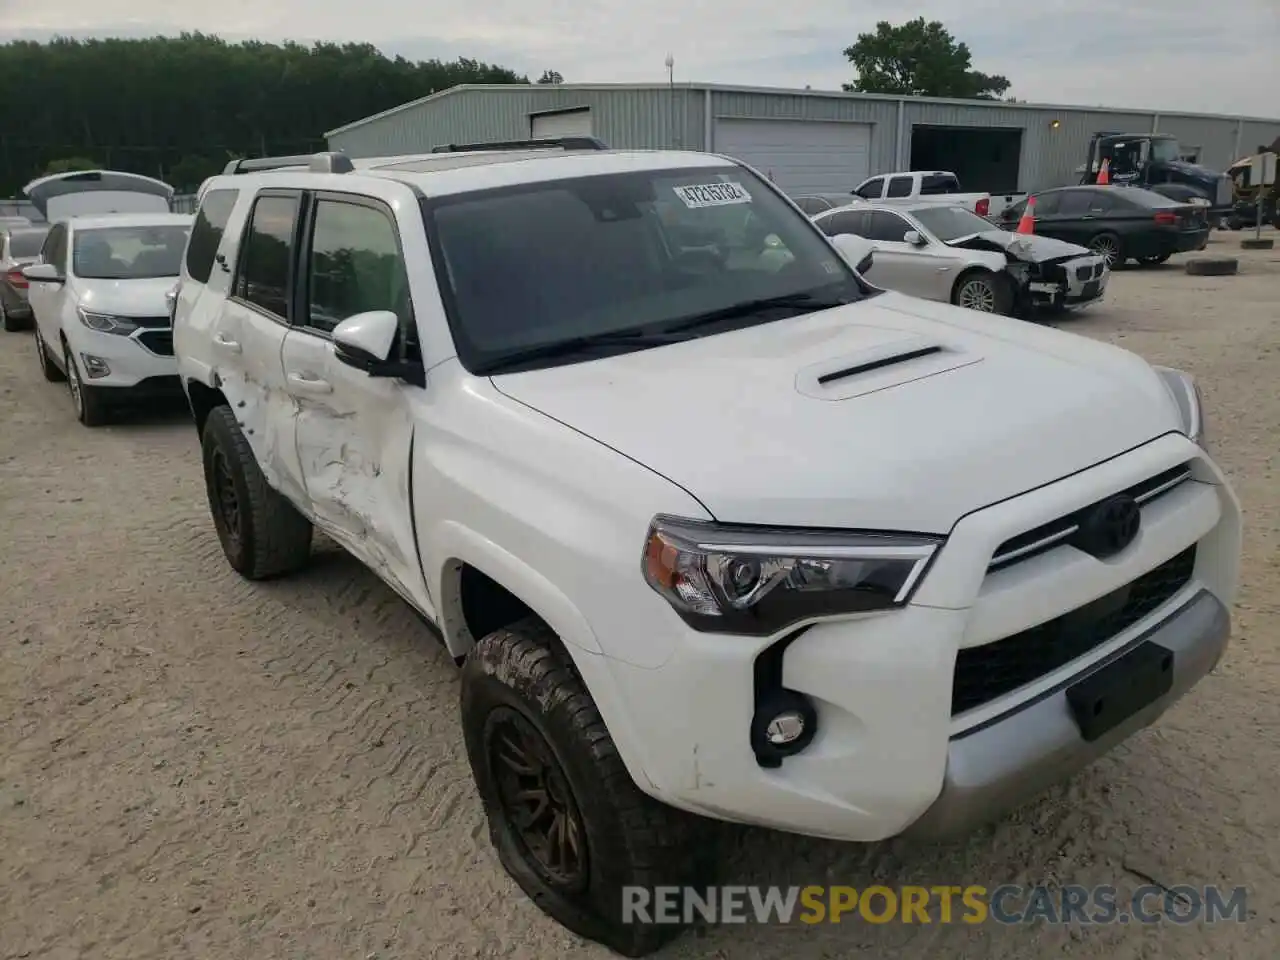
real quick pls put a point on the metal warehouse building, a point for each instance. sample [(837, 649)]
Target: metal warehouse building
[(806, 140)]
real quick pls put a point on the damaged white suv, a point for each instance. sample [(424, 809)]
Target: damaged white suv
[(713, 526)]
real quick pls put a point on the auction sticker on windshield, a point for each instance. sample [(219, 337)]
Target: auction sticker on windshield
[(720, 194)]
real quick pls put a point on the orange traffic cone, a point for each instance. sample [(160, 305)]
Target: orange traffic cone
[(1027, 222), (1104, 173)]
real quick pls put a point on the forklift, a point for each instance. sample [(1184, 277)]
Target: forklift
[(1253, 178)]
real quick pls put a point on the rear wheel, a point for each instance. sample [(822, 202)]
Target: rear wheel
[(983, 291), (1108, 246), (568, 823), (11, 323), (262, 534)]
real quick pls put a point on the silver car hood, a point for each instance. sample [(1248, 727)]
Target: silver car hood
[(1027, 247)]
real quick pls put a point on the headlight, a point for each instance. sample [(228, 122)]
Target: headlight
[(1186, 395), (759, 580), (105, 323)]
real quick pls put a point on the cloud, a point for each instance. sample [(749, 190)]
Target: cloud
[(1154, 54)]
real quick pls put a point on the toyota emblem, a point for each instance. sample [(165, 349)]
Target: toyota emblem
[(1110, 526)]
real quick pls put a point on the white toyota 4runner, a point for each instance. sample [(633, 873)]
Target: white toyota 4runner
[(713, 526)]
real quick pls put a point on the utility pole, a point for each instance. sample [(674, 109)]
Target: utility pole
[(671, 81)]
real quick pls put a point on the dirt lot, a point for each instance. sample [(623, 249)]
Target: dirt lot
[(193, 766)]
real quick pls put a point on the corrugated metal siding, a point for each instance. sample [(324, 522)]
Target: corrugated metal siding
[(659, 117), (635, 119)]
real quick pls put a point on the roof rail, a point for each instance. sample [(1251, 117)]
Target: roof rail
[(564, 143), (334, 162)]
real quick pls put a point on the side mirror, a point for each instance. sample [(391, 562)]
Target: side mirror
[(364, 341), (913, 237), (43, 273), (857, 251)]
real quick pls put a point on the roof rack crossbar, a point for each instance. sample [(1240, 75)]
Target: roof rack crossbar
[(332, 162), (563, 143)]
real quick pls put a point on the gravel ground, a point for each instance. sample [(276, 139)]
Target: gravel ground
[(193, 766)]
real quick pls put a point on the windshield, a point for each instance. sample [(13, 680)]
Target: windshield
[(628, 253), (26, 243), (952, 223), (129, 253), (1165, 151)]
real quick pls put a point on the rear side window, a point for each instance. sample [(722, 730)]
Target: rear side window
[(206, 233), (266, 254), (840, 223), (900, 187), (872, 189), (937, 183)]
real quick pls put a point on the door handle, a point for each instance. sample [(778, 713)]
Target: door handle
[(230, 346), (309, 384)]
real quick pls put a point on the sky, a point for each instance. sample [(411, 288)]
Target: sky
[(1173, 55)]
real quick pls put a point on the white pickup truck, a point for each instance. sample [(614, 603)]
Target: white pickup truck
[(940, 185)]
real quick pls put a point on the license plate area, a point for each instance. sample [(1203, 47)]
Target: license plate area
[(1105, 699)]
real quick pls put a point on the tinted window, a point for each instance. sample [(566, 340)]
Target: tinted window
[(356, 266), (55, 247), (871, 189), (900, 187), (539, 264), (206, 233), (936, 183), (1046, 203), (129, 253), (26, 243), (886, 227), (848, 222), (1073, 203), (266, 253)]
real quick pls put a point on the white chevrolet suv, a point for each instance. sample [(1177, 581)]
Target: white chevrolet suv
[(713, 526)]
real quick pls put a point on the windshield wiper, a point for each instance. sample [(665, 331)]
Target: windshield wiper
[(750, 308), (576, 345)]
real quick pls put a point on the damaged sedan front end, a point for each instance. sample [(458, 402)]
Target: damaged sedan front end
[(1046, 273)]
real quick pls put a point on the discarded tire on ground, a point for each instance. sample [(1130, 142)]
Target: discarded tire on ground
[(1213, 266), (1257, 243)]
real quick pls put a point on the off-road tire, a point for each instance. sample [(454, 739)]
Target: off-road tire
[(272, 538), (631, 839), (48, 368), (90, 403), (1106, 241), (1001, 291)]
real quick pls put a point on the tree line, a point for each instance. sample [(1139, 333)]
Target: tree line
[(179, 108)]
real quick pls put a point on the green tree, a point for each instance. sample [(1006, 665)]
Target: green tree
[(551, 76), (68, 165), (189, 172), (921, 59), (173, 107)]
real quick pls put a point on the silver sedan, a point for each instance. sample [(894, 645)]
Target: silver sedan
[(947, 253)]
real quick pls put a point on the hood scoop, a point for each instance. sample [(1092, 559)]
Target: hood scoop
[(880, 367)]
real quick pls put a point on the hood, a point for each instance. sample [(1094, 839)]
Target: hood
[(127, 298), (761, 426), (1028, 247), (1194, 170)]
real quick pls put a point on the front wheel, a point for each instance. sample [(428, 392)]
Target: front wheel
[(569, 824), (48, 369), (1108, 246), (983, 291), (262, 534), (90, 402)]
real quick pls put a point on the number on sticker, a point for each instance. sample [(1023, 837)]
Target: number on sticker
[(712, 194)]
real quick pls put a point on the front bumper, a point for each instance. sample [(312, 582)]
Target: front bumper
[(1083, 280), (890, 756), (130, 361)]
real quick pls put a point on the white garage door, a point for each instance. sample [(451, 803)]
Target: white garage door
[(800, 156), (575, 123)]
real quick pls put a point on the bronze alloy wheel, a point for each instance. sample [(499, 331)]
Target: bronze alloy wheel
[(536, 799)]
